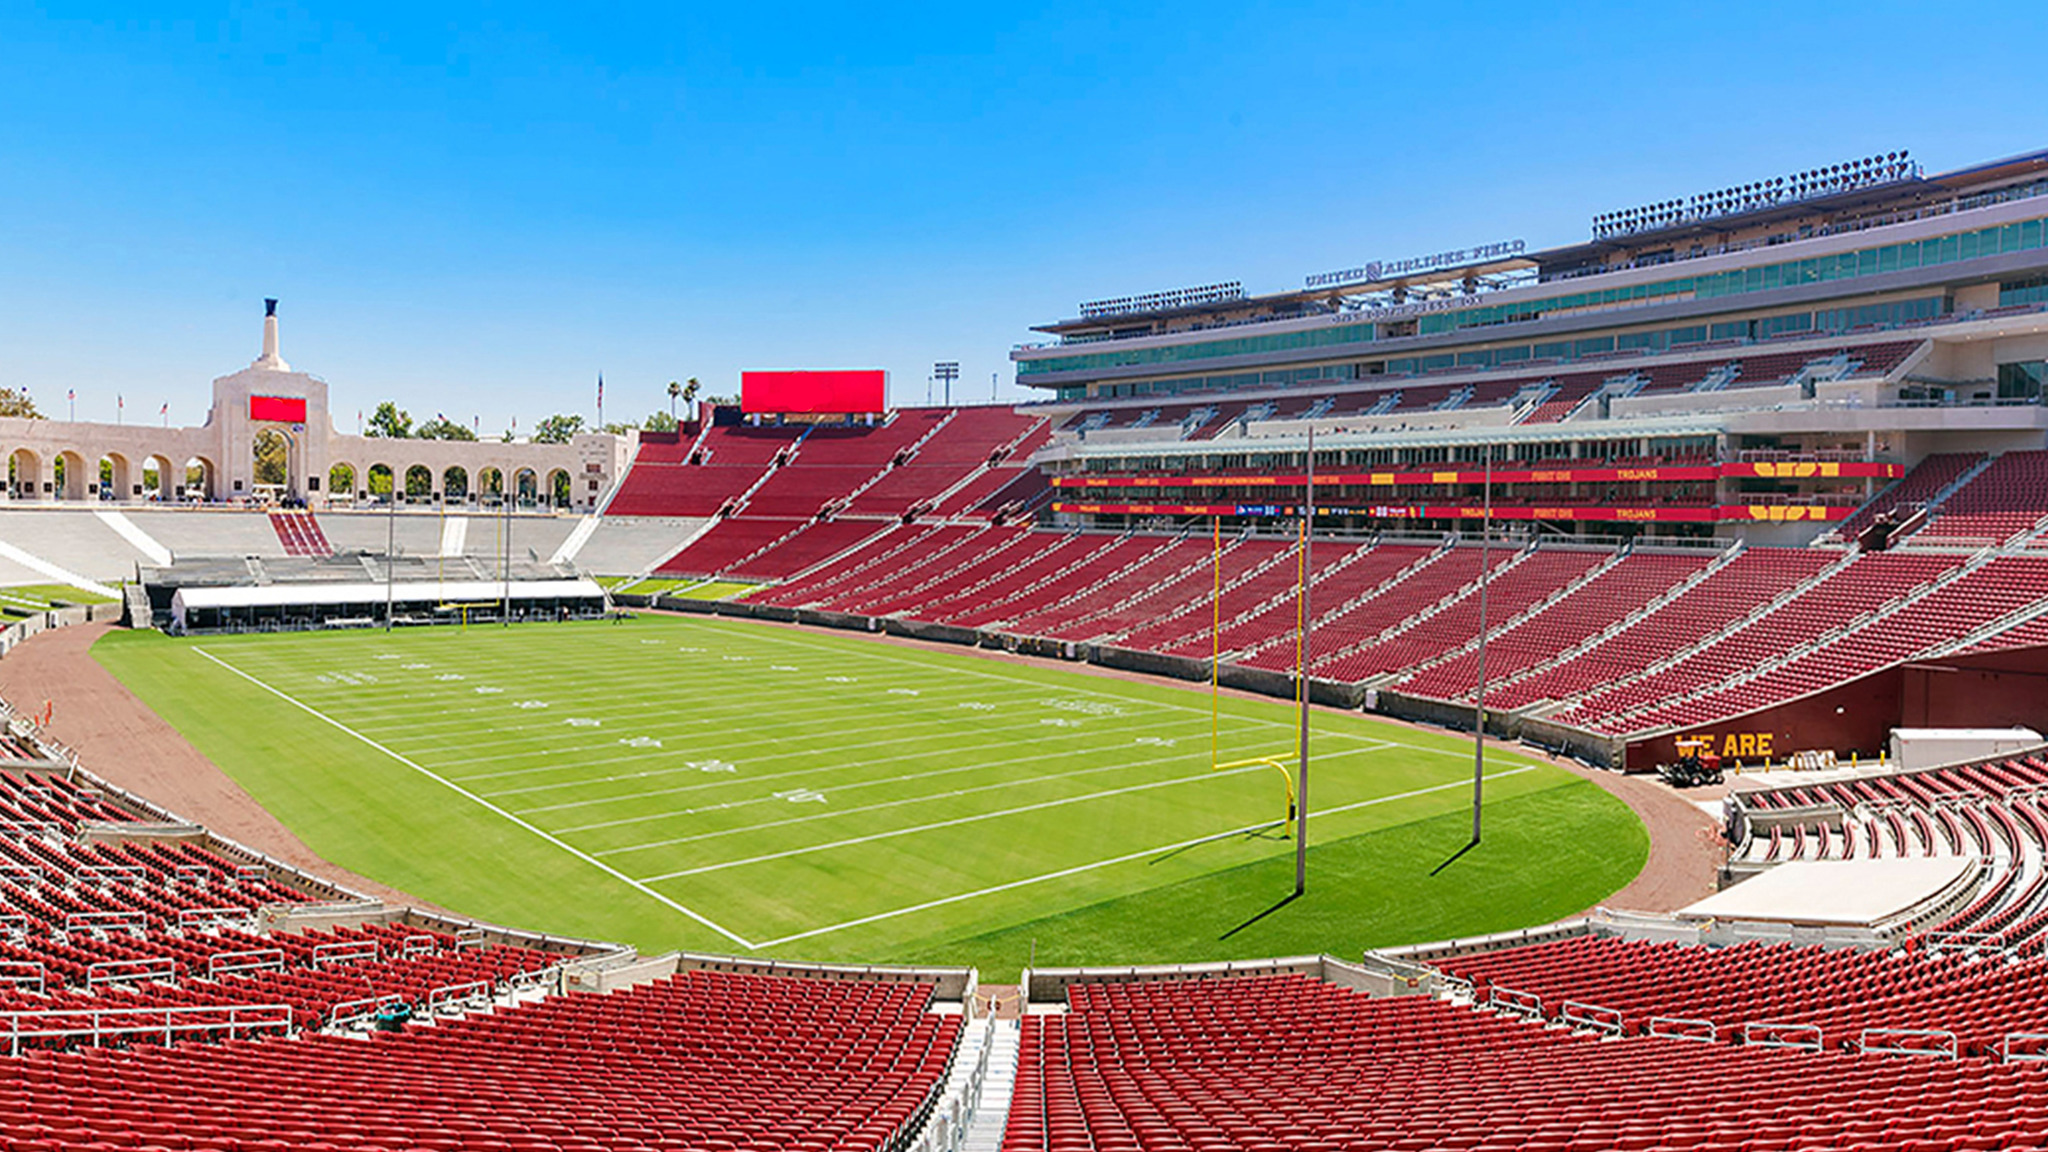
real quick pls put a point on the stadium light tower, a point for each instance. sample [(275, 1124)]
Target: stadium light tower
[(947, 371)]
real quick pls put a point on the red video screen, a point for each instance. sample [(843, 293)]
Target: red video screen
[(279, 409), (852, 390)]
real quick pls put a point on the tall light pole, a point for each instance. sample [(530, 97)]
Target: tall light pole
[(1479, 703), (390, 546), (1308, 535), (947, 371)]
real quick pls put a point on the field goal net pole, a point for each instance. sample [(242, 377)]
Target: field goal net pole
[(1308, 516), (1479, 701), (1215, 633), (1216, 763)]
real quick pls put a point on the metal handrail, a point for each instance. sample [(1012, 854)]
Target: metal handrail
[(168, 1021), (1778, 1034), (1683, 1028), (1514, 1000), (1899, 1042), (1592, 1016)]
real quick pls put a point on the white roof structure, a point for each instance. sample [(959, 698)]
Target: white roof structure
[(1859, 893), (367, 592)]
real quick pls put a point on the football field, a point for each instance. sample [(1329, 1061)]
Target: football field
[(733, 786)]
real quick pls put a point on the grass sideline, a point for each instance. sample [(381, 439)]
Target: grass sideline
[(727, 785), (691, 589), (20, 599)]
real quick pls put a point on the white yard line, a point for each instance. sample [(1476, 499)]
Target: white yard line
[(727, 752), (997, 787), (937, 824), (746, 828), (1124, 859), (738, 749), (704, 717), (481, 802), (987, 675)]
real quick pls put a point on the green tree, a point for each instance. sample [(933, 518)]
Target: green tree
[(272, 457), (442, 428), (557, 429), (15, 402), (390, 422), (659, 422), (616, 428)]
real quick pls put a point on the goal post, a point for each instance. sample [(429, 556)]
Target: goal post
[(1277, 763)]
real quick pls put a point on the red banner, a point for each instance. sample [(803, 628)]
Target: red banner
[(278, 409), (851, 391), (1778, 470)]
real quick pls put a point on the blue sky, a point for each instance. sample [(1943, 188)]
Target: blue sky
[(475, 209)]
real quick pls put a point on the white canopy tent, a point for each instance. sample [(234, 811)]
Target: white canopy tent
[(323, 598)]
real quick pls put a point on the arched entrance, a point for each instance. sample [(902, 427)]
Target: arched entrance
[(73, 474), (341, 482), (419, 482), (159, 478), (558, 488), (114, 479), (455, 483), (272, 458), (528, 486), (490, 482), (202, 480), (380, 482), (25, 478)]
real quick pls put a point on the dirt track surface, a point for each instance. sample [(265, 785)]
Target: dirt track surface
[(1685, 853), (120, 739)]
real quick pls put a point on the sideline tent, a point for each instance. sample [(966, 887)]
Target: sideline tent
[(213, 607)]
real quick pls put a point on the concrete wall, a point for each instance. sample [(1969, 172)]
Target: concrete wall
[(1989, 690)]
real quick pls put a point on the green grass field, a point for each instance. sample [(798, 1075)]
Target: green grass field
[(727, 785), (19, 599), (691, 588)]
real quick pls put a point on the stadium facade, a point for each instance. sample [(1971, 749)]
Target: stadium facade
[(1757, 361), (62, 460)]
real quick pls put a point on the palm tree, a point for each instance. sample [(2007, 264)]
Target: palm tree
[(674, 390), (690, 391)]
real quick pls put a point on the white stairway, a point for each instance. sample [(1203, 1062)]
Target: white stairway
[(974, 1105)]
